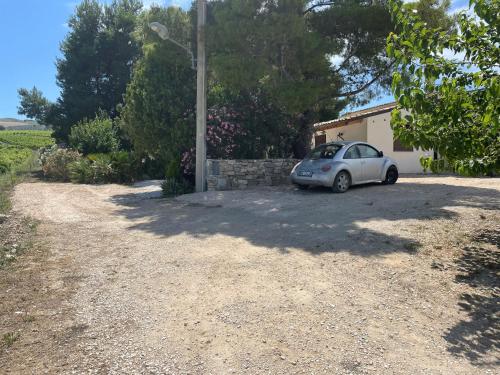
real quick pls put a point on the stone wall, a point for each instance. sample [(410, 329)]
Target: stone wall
[(242, 174)]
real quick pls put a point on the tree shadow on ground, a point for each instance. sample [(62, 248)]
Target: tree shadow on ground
[(315, 221), (366, 221), (479, 267)]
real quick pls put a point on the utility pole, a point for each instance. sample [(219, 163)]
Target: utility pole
[(201, 99)]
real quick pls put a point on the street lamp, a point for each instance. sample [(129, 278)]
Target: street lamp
[(201, 89), (162, 32)]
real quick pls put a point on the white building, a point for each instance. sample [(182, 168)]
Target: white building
[(371, 125)]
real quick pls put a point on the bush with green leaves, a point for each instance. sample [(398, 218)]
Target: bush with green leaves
[(81, 171), (97, 136), (56, 161), (434, 165), (126, 165), (447, 86), (173, 187), (115, 167), (103, 168)]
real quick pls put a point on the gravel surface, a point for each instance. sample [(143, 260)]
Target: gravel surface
[(266, 281)]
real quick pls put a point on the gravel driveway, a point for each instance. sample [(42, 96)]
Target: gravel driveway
[(268, 281)]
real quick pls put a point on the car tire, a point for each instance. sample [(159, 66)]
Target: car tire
[(391, 176), (302, 187), (342, 182)]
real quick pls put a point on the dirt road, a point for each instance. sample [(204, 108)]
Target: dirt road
[(380, 280)]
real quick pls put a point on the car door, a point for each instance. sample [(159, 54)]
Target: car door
[(353, 160), (372, 163)]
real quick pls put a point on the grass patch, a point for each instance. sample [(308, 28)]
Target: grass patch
[(18, 174), (10, 338), (15, 233)]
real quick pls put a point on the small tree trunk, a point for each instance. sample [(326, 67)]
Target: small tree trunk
[(302, 142)]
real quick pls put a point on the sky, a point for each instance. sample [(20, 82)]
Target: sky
[(30, 34)]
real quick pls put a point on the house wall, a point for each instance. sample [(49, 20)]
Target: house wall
[(380, 135), (354, 131)]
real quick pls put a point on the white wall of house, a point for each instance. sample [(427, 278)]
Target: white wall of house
[(377, 131), (354, 131), (380, 135)]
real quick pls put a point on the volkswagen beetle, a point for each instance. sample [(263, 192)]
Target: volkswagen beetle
[(339, 165)]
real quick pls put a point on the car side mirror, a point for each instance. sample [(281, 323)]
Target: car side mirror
[(380, 154)]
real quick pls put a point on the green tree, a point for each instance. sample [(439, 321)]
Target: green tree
[(98, 55), (33, 104), (447, 86), (312, 58), (96, 136), (159, 104), (434, 13)]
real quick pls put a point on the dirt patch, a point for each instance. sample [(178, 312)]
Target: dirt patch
[(382, 279), (16, 235)]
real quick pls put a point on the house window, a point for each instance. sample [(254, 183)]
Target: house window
[(319, 139), (400, 147)]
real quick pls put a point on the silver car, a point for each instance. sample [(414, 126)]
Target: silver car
[(339, 165)]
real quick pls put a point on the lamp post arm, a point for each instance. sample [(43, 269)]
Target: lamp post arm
[(187, 49)]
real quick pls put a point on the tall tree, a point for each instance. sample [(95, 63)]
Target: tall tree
[(311, 57), (98, 55), (33, 104), (287, 49), (447, 86), (158, 110)]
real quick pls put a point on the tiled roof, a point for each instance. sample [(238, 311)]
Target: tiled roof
[(356, 115)]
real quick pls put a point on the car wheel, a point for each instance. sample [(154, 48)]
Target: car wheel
[(391, 176), (302, 187), (342, 182)]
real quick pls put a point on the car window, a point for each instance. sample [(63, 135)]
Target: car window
[(352, 153), (366, 151), (324, 152)]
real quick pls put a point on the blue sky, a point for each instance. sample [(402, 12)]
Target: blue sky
[(30, 33)]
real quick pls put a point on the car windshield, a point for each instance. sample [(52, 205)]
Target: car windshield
[(324, 151)]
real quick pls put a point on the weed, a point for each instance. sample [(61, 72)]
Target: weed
[(28, 318), (10, 338)]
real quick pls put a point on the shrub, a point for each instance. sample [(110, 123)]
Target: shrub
[(152, 168), (103, 168), (117, 167), (173, 170), (126, 166), (81, 171), (173, 187), (435, 166), (96, 136), (55, 163)]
